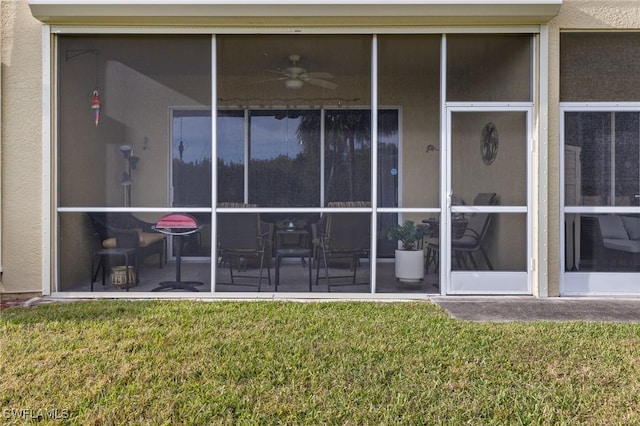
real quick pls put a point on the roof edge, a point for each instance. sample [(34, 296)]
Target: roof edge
[(60, 11)]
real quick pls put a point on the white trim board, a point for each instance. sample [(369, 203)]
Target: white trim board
[(531, 11)]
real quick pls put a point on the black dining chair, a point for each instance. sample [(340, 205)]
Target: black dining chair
[(471, 240), (243, 239), (342, 237)]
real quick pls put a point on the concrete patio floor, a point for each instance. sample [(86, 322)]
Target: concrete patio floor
[(294, 278), (528, 308)]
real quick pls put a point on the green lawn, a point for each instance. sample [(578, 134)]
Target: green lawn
[(119, 362)]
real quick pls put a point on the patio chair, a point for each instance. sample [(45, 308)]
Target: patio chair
[(126, 248), (241, 238), (341, 237), (123, 235), (617, 238), (471, 240), (263, 225)]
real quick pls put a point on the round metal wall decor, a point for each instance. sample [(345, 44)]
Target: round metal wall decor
[(489, 143)]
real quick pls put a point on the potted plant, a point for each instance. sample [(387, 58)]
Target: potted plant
[(409, 259)]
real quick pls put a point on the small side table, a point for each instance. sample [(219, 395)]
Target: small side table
[(178, 225), (300, 234), (292, 252), (102, 254)]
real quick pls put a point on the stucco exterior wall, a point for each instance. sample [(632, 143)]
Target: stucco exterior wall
[(587, 15), (21, 149)]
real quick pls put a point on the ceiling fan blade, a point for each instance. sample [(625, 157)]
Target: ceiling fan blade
[(272, 79), (321, 83), (294, 76), (319, 75), (278, 72)]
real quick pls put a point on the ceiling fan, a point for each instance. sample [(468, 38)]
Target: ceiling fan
[(295, 77)]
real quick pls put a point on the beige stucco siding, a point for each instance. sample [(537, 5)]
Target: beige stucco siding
[(21, 149)]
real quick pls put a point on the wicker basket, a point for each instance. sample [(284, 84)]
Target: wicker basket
[(119, 276)]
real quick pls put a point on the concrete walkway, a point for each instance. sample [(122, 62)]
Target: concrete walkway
[(505, 309)]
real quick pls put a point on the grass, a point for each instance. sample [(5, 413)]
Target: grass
[(124, 362)]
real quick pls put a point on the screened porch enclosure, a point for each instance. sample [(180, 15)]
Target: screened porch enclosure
[(293, 154)]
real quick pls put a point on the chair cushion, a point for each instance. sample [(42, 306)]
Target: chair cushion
[(230, 205), (630, 246), (465, 242), (485, 199), (145, 239), (632, 225), (347, 204), (611, 227), (148, 238)]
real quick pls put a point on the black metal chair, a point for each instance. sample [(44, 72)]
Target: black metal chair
[(122, 235), (471, 240), (126, 248), (150, 242), (242, 237), (342, 237)]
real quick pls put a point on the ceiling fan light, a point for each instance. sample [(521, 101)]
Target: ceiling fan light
[(293, 83)]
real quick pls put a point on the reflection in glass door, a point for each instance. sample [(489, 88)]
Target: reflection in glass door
[(191, 174), (388, 171), (284, 158), (486, 232)]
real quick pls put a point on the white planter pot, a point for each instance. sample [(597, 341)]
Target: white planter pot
[(410, 265)]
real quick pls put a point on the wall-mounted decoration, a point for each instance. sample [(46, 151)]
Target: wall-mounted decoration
[(489, 143), (132, 161), (95, 93), (95, 106)]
